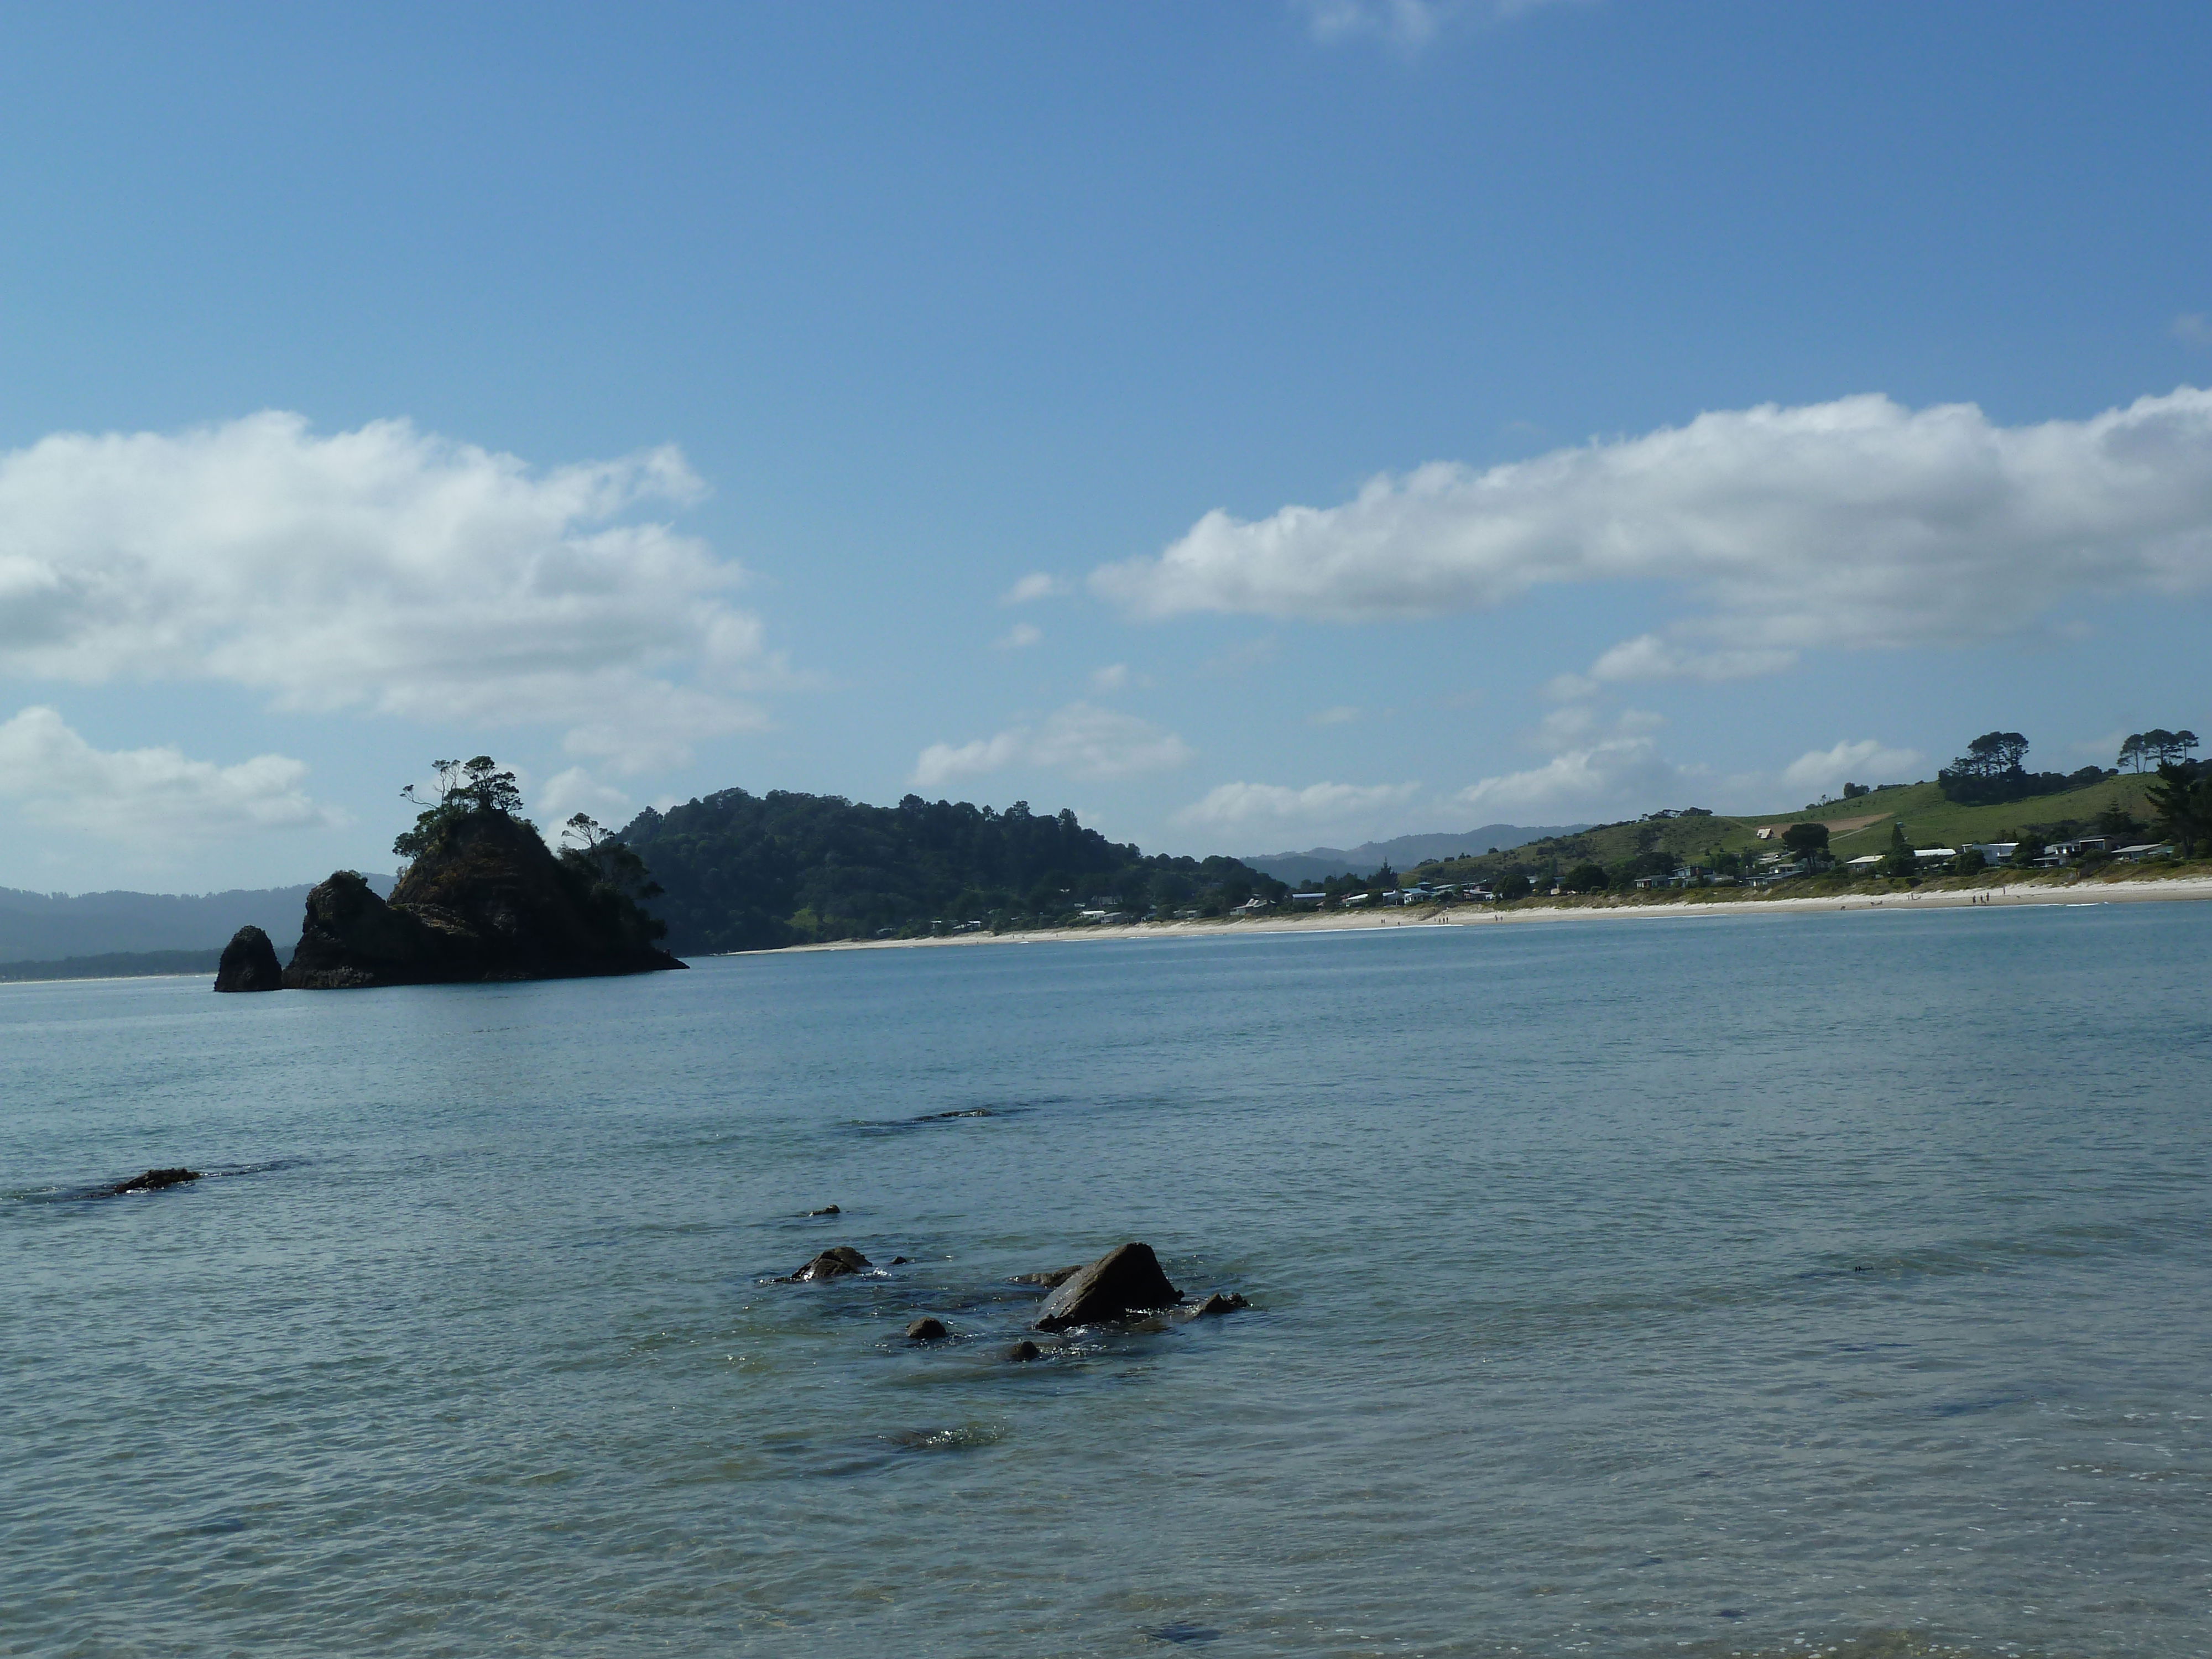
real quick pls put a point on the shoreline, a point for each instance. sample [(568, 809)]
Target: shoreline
[(2120, 890)]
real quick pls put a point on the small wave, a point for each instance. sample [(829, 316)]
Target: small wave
[(960, 1436)]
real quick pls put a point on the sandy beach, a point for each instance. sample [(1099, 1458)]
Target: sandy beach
[(2096, 889)]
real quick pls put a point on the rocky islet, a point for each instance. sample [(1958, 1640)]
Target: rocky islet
[(249, 963)]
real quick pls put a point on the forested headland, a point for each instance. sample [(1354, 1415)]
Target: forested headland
[(739, 872)]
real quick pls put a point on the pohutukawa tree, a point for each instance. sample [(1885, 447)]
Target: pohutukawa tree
[(463, 788)]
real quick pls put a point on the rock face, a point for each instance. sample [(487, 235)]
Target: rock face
[(927, 1329), (491, 901), (1125, 1280), (1217, 1305), (249, 964)]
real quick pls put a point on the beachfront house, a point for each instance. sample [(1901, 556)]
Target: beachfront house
[(1773, 868), (2162, 849)]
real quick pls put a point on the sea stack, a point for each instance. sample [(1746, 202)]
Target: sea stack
[(249, 963), (486, 900)]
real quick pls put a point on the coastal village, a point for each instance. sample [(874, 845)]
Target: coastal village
[(2097, 822)]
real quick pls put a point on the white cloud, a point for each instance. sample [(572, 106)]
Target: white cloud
[(1019, 637), (1082, 740), (147, 796), (1866, 760), (2194, 326), (1252, 807), (575, 790), (1617, 777), (1343, 714), (1243, 656), (1853, 524), (385, 569), (1037, 584), (1114, 677), (1579, 723), (1407, 25), (1647, 657)]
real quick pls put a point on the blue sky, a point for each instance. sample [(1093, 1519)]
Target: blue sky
[(1249, 425)]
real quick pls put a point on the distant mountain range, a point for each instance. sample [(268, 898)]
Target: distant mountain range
[(48, 927), (1401, 851)]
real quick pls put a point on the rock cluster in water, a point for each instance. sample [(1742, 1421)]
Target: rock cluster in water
[(1126, 1283), (249, 963), (489, 902)]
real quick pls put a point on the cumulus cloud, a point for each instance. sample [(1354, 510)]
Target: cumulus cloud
[(385, 569), (566, 793), (147, 795), (1616, 776), (1019, 637), (1037, 584), (1855, 524), (1114, 677), (1082, 740), (1579, 723), (1251, 806), (1866, 760)]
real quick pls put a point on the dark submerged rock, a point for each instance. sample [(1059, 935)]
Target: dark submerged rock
[(827, 1209), (155, 1180), (1052, 1281), (1024, 1351), (1125, 1280), (927, 1329), (901, 1260), (832, 1264), (249, 963), (488, 902), (1217, 1305)]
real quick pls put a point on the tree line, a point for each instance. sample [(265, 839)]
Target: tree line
[(744, 871)]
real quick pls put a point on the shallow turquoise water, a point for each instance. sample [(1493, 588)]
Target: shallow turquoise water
[(1714, 1285)]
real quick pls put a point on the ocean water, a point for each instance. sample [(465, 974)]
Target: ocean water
[(1706, 1286)]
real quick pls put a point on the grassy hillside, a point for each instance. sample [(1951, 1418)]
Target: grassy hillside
[(1929, 820)]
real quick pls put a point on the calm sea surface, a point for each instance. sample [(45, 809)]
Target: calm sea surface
[(1711, 1286)]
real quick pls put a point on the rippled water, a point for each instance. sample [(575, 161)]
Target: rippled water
[(1712, 1286)]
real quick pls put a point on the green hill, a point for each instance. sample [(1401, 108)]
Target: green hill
[(742, 871), (1929, 820)]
